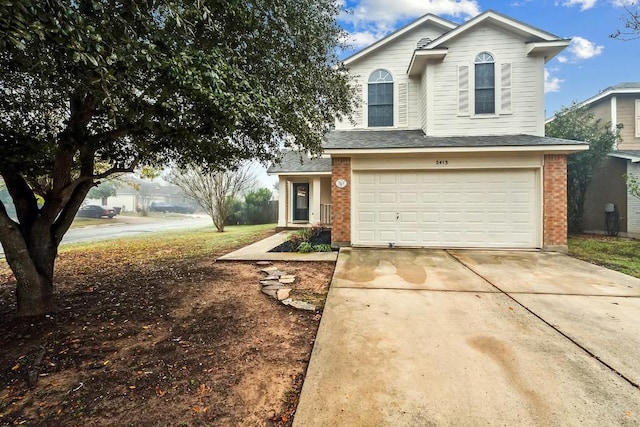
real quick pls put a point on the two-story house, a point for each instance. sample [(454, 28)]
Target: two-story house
[(448, 145), (619, 104)]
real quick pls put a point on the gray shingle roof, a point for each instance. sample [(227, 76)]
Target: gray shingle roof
[(625, 85), (294, 161), (417, 139), (633, 155)]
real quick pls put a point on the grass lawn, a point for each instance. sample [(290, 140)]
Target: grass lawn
[(616, 253), (175, 244)]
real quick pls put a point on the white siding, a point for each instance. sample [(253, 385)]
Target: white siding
[(527, 87), (395, 58)]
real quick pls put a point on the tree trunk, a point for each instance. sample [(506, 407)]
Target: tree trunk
[(34, 294), (32, 265)]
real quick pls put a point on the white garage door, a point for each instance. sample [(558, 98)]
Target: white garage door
[(481, 208)]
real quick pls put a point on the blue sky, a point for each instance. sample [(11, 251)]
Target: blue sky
[(592, 62)]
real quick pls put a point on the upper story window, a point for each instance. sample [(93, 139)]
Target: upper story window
[(380, 99), (485, 84)]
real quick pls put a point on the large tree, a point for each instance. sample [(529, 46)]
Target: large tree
[(215, 191), (577, 123), (133, 83)]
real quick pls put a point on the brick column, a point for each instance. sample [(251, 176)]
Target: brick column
[(340, 202), (555, 203)]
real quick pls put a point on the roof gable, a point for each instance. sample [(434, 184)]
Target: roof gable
[(626, 88), (526, 31), (428, 19)]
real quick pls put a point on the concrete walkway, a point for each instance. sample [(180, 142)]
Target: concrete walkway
[(259, 251), (471, 338)]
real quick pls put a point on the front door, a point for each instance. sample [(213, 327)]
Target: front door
[(301, 202)]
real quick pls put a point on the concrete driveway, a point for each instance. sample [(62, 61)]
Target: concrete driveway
[(472, 338)]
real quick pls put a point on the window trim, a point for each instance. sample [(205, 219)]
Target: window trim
[(384, 77), (484, 58)]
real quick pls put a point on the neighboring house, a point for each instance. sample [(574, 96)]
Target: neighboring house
[(618, 104), (448, 146), (134, 194)]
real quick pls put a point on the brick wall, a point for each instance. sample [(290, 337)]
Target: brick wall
[(340, 202), (555, 202)]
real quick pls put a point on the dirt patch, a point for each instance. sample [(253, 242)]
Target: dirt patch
[(165, 343)]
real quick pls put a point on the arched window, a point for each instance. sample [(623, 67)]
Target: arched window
[(380, 99), (485, 84)]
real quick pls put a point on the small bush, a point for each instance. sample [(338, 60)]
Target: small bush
[(316, 229), (322, 248), (305, 247), (299, 236)]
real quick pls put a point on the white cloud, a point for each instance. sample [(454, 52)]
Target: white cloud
[(581, 48), (551, 84), (361, 39), (384, 13), (562, 59), (584, 4), (623, 3)]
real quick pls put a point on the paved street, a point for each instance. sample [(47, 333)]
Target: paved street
[(133, 226)]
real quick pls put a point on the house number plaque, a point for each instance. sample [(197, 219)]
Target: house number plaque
[(341, 183)]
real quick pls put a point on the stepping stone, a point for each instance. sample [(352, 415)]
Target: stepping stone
[(271, 278), (276, 273), (271, 292), (270, 282), (268, 270), (283, 293), (301, 305), (287, 281), (287, 276), (263, 263), (272, 287)]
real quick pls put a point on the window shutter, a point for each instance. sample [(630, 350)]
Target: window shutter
[(463, 89), (403, 104), (358, 111), (505, 88), (637, 118)]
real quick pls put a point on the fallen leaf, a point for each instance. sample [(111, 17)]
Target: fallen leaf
[(16, 367)]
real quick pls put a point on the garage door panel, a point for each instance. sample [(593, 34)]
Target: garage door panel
[(387, 236), (387, 217), (387, 198), (496, 208), (387, 179), (366, 198)]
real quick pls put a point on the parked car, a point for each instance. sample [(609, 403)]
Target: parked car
[(170, 207), (95, 211)]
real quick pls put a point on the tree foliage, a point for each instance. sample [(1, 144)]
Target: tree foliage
[(129, 84), (256, 206), (631, 23), (215, 191), (103, 191), (578, 124)]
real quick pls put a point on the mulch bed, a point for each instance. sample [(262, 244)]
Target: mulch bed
[(324, 238)]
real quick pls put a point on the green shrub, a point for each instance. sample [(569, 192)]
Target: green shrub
[(305, 247), (299, 236), (322, 248)]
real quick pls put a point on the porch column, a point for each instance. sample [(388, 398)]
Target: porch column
[(315, 201), (282, 201)]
